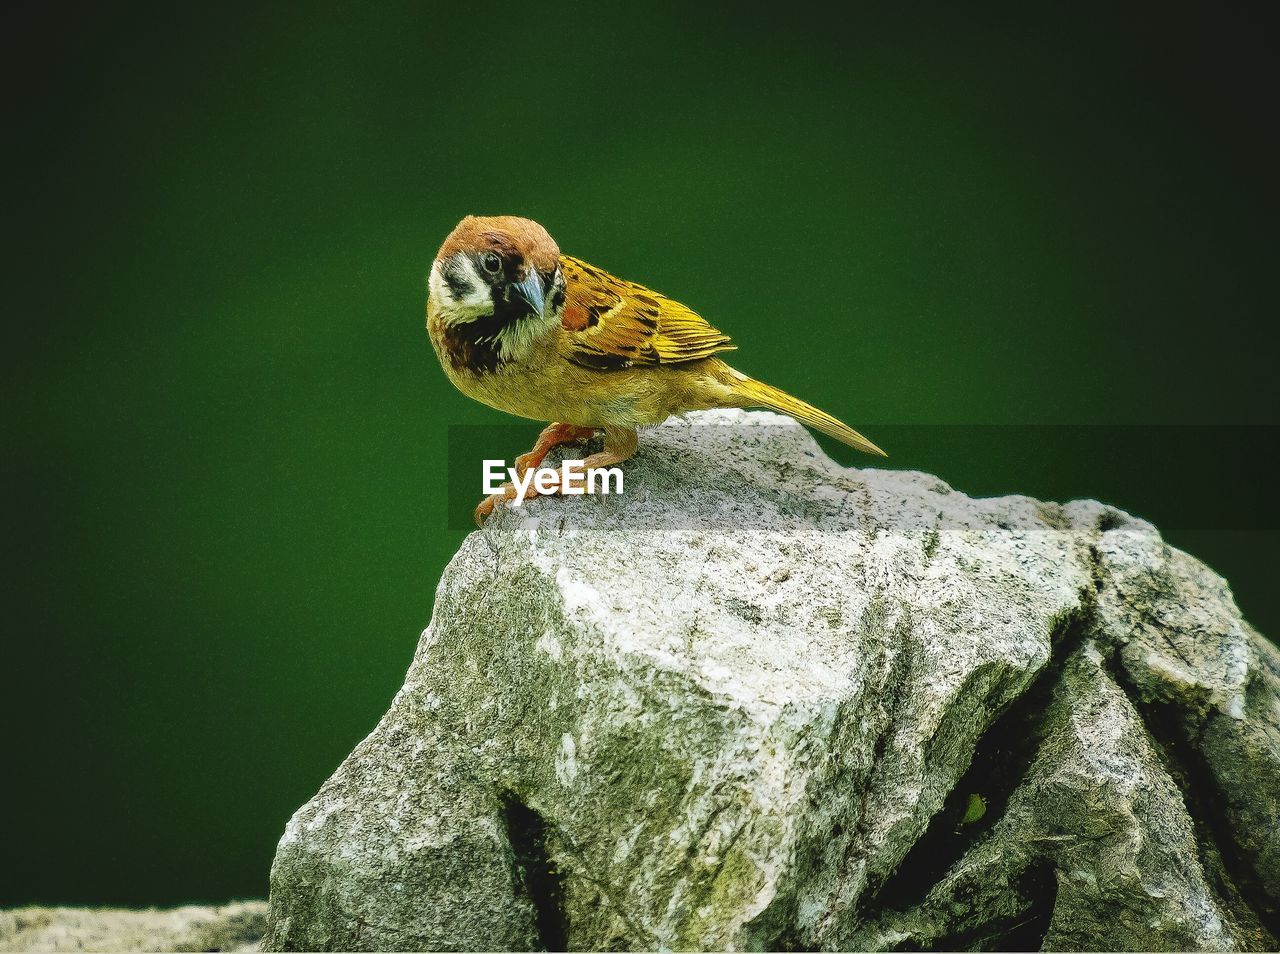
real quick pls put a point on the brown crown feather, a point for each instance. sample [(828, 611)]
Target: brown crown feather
[(506, 235)]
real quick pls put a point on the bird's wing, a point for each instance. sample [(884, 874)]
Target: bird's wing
[(610, 323)]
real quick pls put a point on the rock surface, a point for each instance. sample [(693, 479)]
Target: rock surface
[(229, 927), (761, 701)]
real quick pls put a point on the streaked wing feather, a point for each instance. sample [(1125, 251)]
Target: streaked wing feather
[(612, 323)]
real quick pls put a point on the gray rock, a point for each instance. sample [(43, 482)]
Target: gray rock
[(230, 927), (760, 700)]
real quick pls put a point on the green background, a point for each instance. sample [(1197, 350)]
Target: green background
[(226, 429)]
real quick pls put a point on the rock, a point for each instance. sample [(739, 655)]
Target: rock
[(753, 702), (230, 927)]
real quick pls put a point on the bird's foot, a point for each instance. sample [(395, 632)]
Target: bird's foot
[(552, 436), (485, 508)]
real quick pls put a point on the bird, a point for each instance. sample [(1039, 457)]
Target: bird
[(525, 329)]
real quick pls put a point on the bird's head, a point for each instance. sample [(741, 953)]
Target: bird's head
[(501, 270)]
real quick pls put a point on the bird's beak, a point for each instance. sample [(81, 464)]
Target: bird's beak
[(532, 291)]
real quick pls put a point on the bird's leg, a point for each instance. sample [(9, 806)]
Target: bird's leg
[(619, 444), (552, 436)]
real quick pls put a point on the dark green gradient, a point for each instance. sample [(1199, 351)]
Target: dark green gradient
[(226, 430)]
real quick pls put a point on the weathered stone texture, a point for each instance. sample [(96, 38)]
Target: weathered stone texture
[(747, 704)]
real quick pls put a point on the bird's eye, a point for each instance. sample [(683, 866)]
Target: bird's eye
[(491, 262)]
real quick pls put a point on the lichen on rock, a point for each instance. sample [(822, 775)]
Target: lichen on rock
[(745, 705)]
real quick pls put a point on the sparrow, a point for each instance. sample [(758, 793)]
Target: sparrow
[(535, 333)]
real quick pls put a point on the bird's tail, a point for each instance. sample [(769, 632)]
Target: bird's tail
[(755, 393)]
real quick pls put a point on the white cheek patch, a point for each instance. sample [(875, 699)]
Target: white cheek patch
[(473, 302)]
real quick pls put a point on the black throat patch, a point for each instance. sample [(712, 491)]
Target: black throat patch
[(473, 345)]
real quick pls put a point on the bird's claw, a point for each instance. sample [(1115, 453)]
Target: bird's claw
[(490, 503), (486, 506), (553, 435)]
